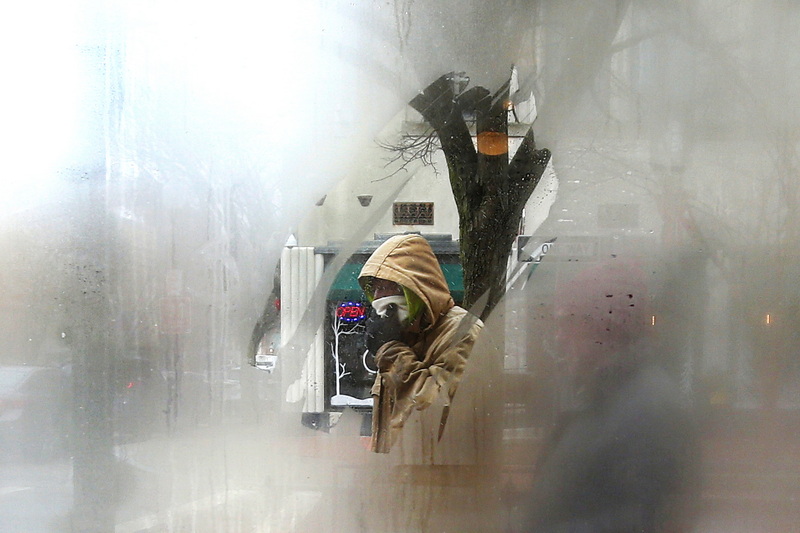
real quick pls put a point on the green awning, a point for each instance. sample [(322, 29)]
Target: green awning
[(454, 275), (346, 287)]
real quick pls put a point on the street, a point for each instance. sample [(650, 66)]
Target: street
[(35, 498), (281, 478)]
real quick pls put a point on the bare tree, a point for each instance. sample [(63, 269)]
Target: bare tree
[(339, 329), (489, 187)]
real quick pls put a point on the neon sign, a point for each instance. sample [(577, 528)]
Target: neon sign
[(351, 312)]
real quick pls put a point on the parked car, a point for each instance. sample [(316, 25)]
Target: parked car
[(34, 412)]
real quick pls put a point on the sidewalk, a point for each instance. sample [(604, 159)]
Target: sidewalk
[(282, 477), (751, 476), (224, 479)]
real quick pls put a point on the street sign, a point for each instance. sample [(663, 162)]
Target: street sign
[(566, 248)]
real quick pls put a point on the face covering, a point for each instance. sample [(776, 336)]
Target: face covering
[(381, 304)]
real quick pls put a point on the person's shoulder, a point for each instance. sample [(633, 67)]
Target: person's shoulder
[(461, 317), (456, 312), (651, 395)]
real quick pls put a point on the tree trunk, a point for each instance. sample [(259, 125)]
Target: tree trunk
[(490, 190)]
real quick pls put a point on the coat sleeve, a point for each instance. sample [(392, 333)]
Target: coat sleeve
[(413, 381)]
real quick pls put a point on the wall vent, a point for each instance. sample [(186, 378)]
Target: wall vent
[(412, 214)]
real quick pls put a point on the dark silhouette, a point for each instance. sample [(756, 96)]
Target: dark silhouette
[(622, 458)]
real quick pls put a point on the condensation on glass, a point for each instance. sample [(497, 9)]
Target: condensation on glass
[(190, 192)]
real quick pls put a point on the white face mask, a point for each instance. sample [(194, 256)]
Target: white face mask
[(381, 304)]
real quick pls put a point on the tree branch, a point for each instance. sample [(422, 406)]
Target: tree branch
[(410, 148), (527, 167)]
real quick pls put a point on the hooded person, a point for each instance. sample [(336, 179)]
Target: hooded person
[(622, 459), (420, 339)]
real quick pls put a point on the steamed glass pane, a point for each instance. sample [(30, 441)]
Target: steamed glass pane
[(597, 333)]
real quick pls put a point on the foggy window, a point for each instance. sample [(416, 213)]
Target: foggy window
[(585, 317), (618, 216)]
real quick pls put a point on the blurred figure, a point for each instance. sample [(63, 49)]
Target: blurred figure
[(620, 460), (34, 412), (419, 337)]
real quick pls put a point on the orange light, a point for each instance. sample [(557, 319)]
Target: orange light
[(492, 143), (769, 319), (653, 320)]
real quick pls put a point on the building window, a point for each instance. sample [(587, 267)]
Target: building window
[(413, 214)]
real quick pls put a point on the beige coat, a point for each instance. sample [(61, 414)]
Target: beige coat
[(433, 358)]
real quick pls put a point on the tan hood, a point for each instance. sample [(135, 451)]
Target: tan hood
[(410, 261)]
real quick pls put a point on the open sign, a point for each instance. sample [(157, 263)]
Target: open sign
[(350, 311)]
